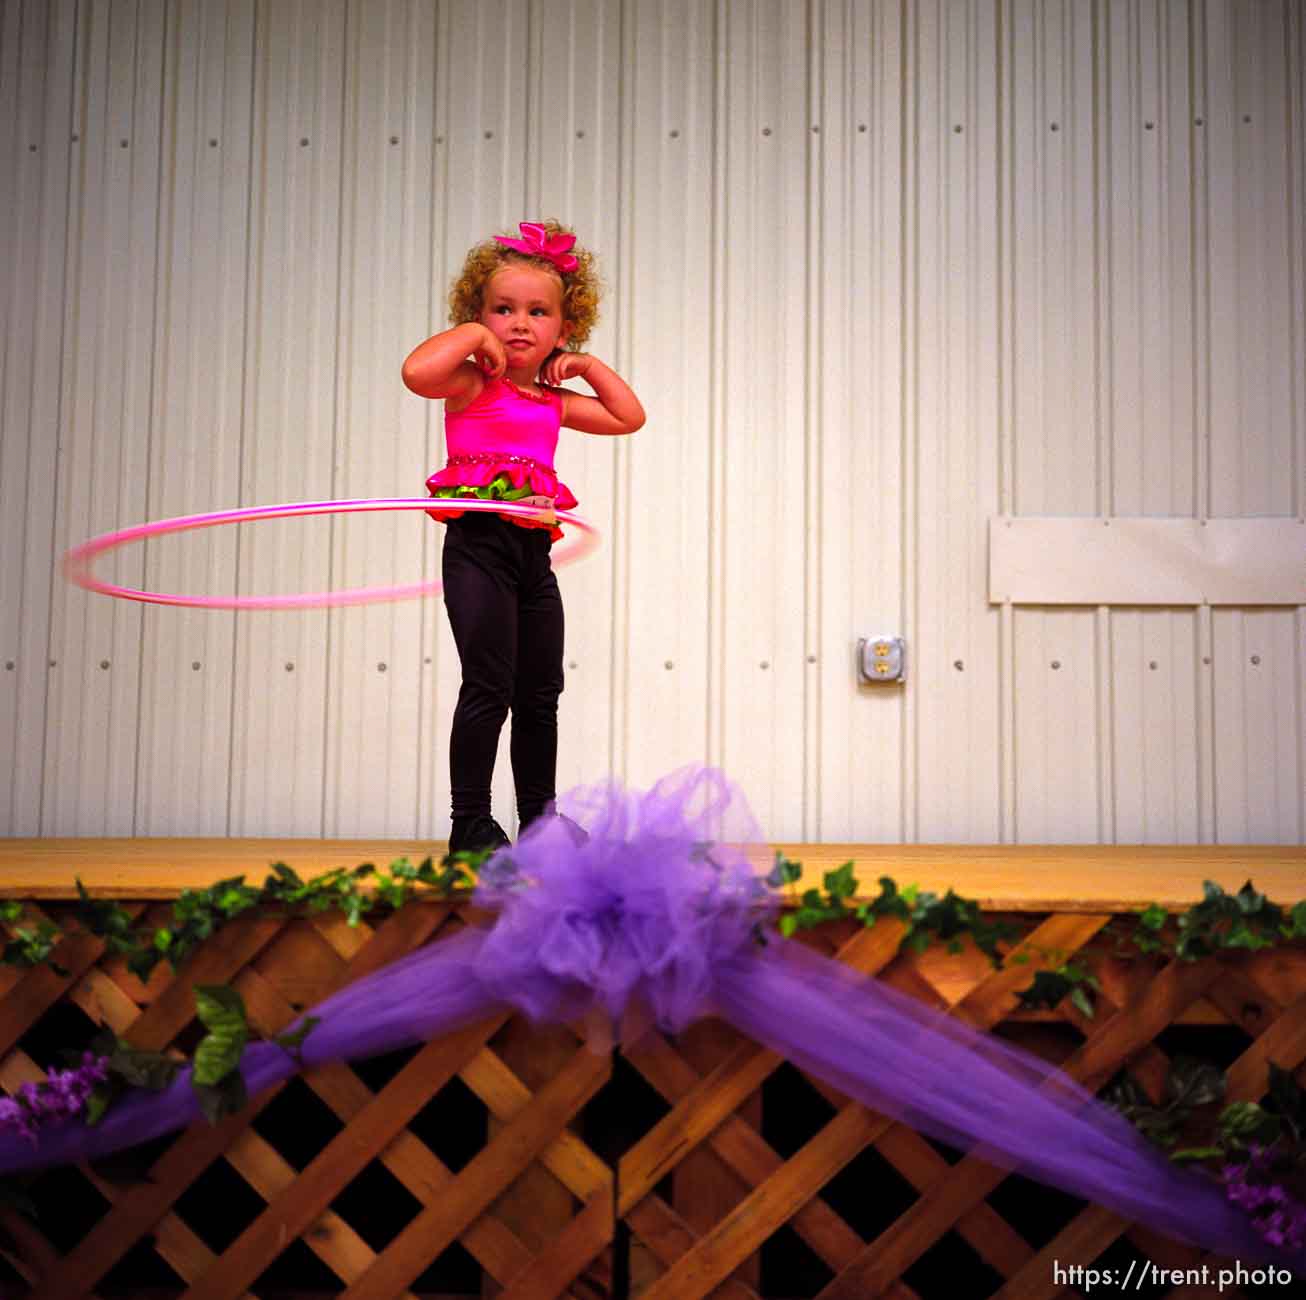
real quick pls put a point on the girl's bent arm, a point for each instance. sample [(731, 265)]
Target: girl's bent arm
[(613, 409), (439, 367)]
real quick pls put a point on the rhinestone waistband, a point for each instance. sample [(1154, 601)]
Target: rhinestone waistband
[(491, 457)]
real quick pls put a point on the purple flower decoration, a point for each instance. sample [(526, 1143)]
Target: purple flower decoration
[(1274, 1212), (59, 1097)]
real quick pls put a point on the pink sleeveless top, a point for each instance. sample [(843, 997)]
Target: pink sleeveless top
[(503, 431)]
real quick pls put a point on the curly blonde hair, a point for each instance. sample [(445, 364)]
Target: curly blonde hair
[(581, 288)]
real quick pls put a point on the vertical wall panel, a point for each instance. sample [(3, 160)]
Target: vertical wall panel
[(200, 346), (1058, 447), (291, 416), (663, 584), (422, 311), (37, 95), (952, 708), (863, 304), (374, 724), (580, 172), (92, 749), (768, 143), (878, 272)]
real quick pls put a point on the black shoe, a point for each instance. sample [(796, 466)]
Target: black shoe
[(476, 835), (579, 835)]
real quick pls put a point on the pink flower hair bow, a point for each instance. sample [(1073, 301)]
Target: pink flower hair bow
[(535, 243)]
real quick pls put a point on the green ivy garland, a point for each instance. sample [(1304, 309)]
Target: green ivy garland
[(1221, 922)]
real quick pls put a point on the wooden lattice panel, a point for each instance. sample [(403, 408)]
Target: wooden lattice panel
[(663, 1171)]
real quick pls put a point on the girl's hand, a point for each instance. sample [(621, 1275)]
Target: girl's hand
[(490, 358), (565, 365)]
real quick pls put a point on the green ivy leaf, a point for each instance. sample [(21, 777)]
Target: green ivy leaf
[(1126, 1094), (1188, 1154), (1250, 901), (97, 1104), (841, 883), (222, 1012), (1081, 999), (1048, 989), (142, 962), (1190, 1083), (1288, 1099), (784, 872), (1153, 918), (218, 1100), (142, 1069), (1242, 1122), (293, 1041)]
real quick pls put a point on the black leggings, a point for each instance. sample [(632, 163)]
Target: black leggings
[(506, 613)]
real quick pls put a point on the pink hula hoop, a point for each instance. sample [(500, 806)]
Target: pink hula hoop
[(77, 563)]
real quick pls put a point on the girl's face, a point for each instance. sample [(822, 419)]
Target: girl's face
[(523, 310)]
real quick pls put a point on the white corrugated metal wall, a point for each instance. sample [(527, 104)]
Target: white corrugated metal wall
[(879, 272)]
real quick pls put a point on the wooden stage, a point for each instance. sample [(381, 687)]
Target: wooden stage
[(510, 1160), (999, 877)]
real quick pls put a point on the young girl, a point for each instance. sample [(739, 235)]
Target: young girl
[(519, 308)]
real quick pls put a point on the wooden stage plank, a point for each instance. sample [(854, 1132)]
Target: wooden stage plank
[(1000, 877)]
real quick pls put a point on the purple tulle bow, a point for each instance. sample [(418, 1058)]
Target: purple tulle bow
[(664, 911)]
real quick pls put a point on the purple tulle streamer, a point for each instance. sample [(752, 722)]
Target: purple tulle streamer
[(659, 915)]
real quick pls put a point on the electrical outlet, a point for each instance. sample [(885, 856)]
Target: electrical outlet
[(881, 659)]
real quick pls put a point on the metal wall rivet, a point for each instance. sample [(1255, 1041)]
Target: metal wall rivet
[(1056, 126), (861, 127), (1152, 665), (122, 144), (427, 660), (1056, 663), (1197, 121), (31, 148), (766, 663), (489, 135), (195, 665), (811, 659), (580, 135), (1247, 117), (675, 135), (104, 663), (76, 137), (668, 664), (1256, 659), (1206, 659), (290, 668), (439, 139), (959, 665), (303, 140), (956, 130), (213, 144), (572, 664), (1147, 126), (394, 139), (380, 668), (9, 665), (816, 130), (766, 130), (54, 663)]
